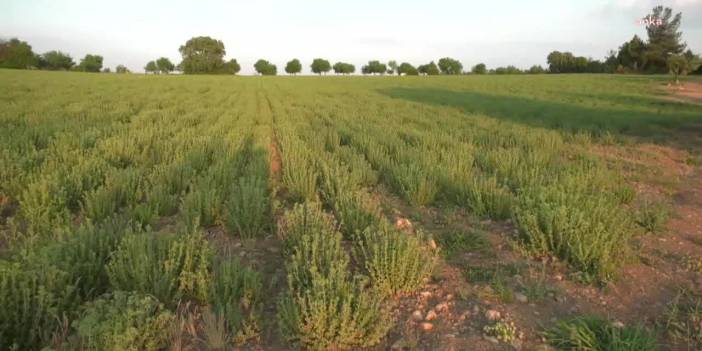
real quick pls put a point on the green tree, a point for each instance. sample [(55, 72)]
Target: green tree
[(680, 65), (430, 69), (320, 66), (374, 67), (55, 61), (448, 65), (344, 68), (121, 69), (90, 63), (151, 67), (479, 69), (265, 68), (293, 67), (536, 69), (632, 54), (16, 54), (664, 38), (106, 70), (230, 67), (407, 69), (165, 65), (392, 67), (202, 55)]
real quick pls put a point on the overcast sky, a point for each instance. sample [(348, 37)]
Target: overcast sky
[(496, 32)]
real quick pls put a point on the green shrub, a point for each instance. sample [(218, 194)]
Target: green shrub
[(593, 333), (396, 262), (120, 189), (589, 231), (324, 307), (417, 184), (457, 243), (235, 295), (304, 219), (248, 209), (200, 205), (652, 215), (299, 174), (169, 267), (30, 301), (486, 198), (124, 321), (682, 320)]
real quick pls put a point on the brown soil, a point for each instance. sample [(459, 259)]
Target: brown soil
[(685, 92), (276, 164)]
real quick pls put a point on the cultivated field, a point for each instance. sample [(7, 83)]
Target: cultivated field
[(427, 213)]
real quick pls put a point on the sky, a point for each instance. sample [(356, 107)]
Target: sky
[(495, 32)]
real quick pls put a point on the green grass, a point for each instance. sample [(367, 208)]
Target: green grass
[(596, 334), (81, 151)]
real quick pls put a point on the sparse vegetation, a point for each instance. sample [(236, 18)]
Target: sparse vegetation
[(593, 333)]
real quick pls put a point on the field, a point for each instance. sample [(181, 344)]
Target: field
[(469, 212)]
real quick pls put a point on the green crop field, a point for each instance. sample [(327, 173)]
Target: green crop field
[(265, 203)]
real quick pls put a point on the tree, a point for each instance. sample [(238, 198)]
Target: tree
[(429, 69), (664, 38), (320, 66), (407, 69), (392, 67), (479, 69), (680, 65), (151, 67), (55, 61), (106, 70), (632, 54), (374, 67), (448, 65), (536, 69), (293, 67), (230, 67), (90, 63), (16, 54), (121, 69), (344, 68), (202, 55), (265, 68), (165, 65)]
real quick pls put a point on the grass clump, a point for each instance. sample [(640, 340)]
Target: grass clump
[(596, 334), (235, 296), (200, 206), (324, 307), (683, 320), (456, 243), (590, 232), (652, 215), (396, 262), (248, 208), (124, 321), (169, 267)]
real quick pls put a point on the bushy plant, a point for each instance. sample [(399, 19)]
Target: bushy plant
[(248, 209), (652, 215), (235, 295), (593, 333), (682, 320), (169, 267), (324, 307), (200, 205), (299, 173), (124, 321), (396, 262)]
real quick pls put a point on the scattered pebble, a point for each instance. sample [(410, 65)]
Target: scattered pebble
[(431, 315), (521, 297), (426, 326), (441, 307), (492, 315), (618, 325), (417, 315)]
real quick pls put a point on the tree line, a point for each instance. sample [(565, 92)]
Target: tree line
[(662, 52)]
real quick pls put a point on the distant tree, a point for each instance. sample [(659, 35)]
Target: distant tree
[(448, 65), (16, 54), (680, 65), (344, 68), (55, 61), (407, 69), (293, 67), (265, 68), (151, 67), (121, 69), (90, 63), (536, 69), (479, 69), (320, 66), (664, 38), (230, 67), (632, 54), (374, 67), (392, 67), (106, 70), (202, 55), (507, 70), (429, 69), (165, 65)]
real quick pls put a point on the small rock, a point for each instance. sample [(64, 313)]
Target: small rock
[(426, 326), (431, 315), (492, 339), (558, 277), (449, 297), (618, 325), (425, 294), (441, 307), (417, 315), (403, 223), (521, 297), (399, 345), (492, 315), (432, 244)]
